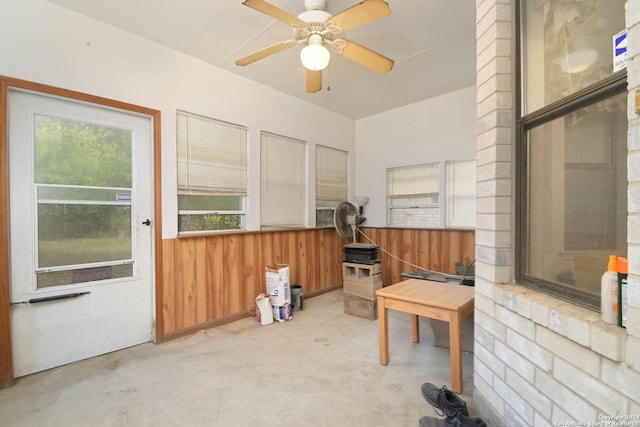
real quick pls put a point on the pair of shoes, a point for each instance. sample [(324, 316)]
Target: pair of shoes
[(444, 400), (450, 405)]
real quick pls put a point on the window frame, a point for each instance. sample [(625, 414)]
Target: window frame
[(602, 90)]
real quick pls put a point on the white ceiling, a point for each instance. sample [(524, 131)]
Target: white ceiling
[(431, 41)]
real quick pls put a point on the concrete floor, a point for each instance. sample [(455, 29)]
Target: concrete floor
[(318, 369)]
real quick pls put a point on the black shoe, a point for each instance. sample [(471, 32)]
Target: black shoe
[(432, 422), (453, 421), (460, 420), (445, 400)]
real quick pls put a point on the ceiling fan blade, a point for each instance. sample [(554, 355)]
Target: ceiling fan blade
[(269, 50), (362, 13), (273, 11), (366, 57), (314, 81)]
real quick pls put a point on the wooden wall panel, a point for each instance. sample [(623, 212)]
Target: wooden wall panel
[(215, 277), (202, 312), (252, 271), (407, 249), (329, 265), (233, 292), (211, 279), (185, 281), (168, 288)]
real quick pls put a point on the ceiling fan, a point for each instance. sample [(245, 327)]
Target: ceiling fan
[(317, 28)]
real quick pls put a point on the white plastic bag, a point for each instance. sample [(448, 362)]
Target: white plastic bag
[(279, 291)]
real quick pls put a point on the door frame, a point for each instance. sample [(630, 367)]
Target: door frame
[(6, 361)]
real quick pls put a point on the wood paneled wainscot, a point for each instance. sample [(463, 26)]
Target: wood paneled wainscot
[(213, 279)]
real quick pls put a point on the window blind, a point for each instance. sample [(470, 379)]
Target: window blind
[(461, 193), (413, 181), (331, 174), (212, 156), (283, 190)]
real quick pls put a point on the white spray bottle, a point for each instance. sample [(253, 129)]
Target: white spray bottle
[(609, 293)]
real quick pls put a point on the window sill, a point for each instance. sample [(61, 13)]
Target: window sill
[(573, 322), (243, 232), (208, 233)]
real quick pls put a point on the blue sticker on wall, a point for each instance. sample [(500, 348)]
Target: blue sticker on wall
[(620, 51)]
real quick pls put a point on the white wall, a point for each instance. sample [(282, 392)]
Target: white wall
[(437, 129), (45, 43)]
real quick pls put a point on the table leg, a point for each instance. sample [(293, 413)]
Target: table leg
[(455, 338), (383, 331), (415, 328)]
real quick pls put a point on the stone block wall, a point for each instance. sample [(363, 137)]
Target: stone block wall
[(540, 361)]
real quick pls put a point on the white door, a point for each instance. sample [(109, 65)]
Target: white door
[(80, 204)]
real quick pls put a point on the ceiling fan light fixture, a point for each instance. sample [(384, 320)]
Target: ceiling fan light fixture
[(314, 55)]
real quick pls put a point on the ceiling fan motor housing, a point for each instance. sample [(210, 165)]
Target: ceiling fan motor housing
[(314, 23), (315, 4)]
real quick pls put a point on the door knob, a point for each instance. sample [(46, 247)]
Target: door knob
[(146, 222)]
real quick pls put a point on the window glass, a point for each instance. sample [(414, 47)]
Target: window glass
[(83, 185), (331, 183), (577, 205), (568, 45), (212, 174)]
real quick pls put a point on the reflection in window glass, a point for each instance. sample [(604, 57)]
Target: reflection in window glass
[(568, 46), (577, 202)]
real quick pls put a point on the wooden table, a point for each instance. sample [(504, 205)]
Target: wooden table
[(436, 300)]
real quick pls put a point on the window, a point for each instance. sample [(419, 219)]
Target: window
[(461, 193), (572, 148), (212, 174), (283, 190), (413, 196), (331, 183)]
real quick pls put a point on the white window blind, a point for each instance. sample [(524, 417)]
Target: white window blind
[(331, 182), (413, 194), (212, 156), (331, 174), (461, 193), (414, 181), (283, 190)]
